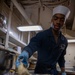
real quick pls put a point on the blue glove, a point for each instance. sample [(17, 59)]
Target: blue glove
[(64, 73), (23, 57)]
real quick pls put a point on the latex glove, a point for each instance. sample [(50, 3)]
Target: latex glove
[(64, 73), (23, 57)]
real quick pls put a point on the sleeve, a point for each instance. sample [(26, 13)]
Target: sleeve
[(61, 60), (34, 45)]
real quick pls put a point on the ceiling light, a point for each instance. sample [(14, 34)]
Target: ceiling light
[(30, 28), (71, 41)]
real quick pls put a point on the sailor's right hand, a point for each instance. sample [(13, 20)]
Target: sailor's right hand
[(23, 57)]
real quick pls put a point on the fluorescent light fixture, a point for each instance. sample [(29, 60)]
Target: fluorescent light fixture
[(71, 41), (30, 28)]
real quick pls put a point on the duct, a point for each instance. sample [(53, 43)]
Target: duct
[(70, 32), (22, 11), (69, 36)]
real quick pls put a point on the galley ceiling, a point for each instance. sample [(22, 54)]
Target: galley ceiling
[(38, 6)]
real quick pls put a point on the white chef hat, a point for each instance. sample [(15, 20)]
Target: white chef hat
[(62, 10)]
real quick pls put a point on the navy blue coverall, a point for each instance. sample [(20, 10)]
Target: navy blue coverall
[(49, 52)]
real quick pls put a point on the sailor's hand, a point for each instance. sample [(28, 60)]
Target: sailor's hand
[(63, 73), (23, 57)]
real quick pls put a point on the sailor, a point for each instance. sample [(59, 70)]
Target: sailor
[(50, 44)]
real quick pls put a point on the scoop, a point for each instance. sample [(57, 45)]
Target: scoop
[(22, 70)]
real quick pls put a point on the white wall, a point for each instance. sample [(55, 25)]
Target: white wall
[(70, 56)]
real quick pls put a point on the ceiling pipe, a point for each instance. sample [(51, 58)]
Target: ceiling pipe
[(22, 11)]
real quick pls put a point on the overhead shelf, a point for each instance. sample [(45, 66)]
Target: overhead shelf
[(12, 44), (2, 48), (16, 41)]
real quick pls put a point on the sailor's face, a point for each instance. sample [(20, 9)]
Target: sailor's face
[(58, 21)]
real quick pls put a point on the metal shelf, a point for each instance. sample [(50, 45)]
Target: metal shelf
[(16, 41), (2, 48)]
